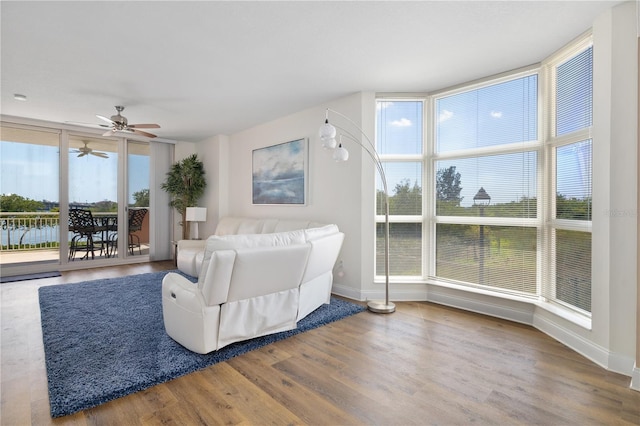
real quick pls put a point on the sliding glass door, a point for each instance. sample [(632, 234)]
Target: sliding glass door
[(122, 223), (90, 206), (29, 196), (93, 198)]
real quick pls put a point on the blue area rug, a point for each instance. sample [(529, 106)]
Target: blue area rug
[(105, 339)]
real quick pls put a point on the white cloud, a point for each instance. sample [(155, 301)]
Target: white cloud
[(403, 122), (445, 115), (383, 104), (496, 114)]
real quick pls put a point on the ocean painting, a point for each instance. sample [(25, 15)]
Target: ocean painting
[(280, 173)]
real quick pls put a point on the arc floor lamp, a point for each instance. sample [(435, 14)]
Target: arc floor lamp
[(328, 134)]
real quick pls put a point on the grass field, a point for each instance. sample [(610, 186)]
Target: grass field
[(507, 260)]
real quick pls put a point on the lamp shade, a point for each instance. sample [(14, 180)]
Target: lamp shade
[(329, 143), (340, 154), (327, 131), (196, 214)]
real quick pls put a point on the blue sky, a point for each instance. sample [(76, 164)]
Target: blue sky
[(31, 171), (499, 114)]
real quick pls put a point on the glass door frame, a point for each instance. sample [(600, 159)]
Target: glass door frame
[(122, 149)]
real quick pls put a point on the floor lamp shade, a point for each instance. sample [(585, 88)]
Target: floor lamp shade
[(196, 214)]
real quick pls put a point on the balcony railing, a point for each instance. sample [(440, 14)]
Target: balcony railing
[(35, 236), (29, 231)]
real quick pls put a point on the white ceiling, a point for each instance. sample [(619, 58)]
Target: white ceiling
[(204, 68)]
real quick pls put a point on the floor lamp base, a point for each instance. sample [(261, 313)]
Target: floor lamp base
[(381, 307)]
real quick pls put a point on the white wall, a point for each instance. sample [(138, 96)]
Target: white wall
[(623, 254), (334, 190), (213, 152)]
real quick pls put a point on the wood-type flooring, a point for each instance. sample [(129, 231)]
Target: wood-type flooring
[(426, 364)]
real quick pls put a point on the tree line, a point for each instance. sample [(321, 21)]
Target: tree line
[(18, 203), (406, 199)]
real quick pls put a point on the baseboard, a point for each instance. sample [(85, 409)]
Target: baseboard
[(511, 310), (25, 277), (344, 291), (635, 378), (620, 364), (584, 347)]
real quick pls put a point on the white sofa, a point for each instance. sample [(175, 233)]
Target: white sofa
[(255, 277)]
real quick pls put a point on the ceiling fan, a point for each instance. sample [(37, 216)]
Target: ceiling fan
[(85, 150), (118, 123)]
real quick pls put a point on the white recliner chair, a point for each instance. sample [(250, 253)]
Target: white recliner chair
[(249, 286), (246, 293)]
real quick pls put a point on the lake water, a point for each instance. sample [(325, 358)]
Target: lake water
[(33, 235)]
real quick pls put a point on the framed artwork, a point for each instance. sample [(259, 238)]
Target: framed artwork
[(280, 173)]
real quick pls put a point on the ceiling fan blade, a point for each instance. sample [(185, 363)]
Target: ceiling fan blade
[(108, 120), (140, 132), (82, 154), (99, 154), (144, 126), (78, 123)]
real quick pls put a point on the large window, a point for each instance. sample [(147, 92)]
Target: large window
[(569, 207), (485, 170), (399, 140), (507, 164)]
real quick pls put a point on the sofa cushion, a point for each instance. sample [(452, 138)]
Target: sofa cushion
[(228, 225), (232, 225), (315, 233), (250, 226), (290, 225), (233, 242)]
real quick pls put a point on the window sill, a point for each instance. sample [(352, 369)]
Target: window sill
[(476, 290), (552, 308), (566, 314)]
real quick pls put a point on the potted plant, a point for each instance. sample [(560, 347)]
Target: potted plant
[(185, 184)]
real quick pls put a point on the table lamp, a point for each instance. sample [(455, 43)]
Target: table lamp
[(196, 214)]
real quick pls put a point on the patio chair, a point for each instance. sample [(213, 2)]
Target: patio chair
[(110, 224), (136, 217), (87, 234)]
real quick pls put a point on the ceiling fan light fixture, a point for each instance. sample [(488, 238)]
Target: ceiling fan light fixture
[(85, 150), (119, 123)]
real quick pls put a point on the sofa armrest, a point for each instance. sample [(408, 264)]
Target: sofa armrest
[(182, 291), (323, 256), (189, 256), (186, 318), (216, 279)]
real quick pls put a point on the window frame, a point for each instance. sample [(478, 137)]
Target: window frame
[(402, 158), (544, 146), (511, 148), (548, 71)]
